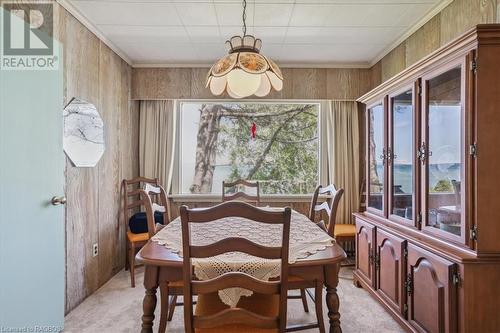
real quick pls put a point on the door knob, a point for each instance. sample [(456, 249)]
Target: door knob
[(56, 201)]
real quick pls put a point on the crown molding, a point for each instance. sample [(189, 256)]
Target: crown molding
[(433, 12), (94, 29), (282, 65)]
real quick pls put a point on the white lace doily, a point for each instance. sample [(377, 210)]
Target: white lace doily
[(306, 238)]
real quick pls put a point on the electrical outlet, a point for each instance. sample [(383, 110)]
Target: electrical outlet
[(95, 250)]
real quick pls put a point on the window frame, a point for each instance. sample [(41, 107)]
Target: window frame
[(211, 197)]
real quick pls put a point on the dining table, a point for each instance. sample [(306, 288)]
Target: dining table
[(163, 262)]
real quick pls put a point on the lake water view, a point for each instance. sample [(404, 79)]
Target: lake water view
[(437, 172)]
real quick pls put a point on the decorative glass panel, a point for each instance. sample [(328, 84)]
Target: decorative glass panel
[(376, 156), (444, 154), (402, 155)]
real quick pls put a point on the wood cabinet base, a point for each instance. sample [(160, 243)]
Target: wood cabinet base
[(428, 289), (360, 283)]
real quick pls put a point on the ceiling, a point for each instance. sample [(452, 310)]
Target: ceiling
[(316, 33)]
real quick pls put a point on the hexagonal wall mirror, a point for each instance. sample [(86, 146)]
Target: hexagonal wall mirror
[(83, 139)]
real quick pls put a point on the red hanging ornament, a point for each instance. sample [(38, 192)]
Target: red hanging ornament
[(253, 130)]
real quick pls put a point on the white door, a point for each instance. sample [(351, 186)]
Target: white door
[(31, 227)]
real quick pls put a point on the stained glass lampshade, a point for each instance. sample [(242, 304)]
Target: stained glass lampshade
[(244, 71)]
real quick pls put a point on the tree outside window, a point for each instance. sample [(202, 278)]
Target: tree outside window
[(217, 144)]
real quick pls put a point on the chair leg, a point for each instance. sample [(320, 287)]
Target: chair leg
[(132, 265), (318, 295), (171, 307), (304, 299), (164, 308), (344, 264), (127, 264)]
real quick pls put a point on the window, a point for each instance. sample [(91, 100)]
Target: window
[(275, 143)]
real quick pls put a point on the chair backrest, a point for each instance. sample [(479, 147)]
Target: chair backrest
[(234, 279), (240, 195), (132, 201), (151, 207), (329, 206)]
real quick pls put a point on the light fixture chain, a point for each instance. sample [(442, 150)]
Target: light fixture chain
[(244, 17)]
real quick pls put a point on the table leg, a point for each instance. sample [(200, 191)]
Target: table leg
[(332, 299), (149, 301)]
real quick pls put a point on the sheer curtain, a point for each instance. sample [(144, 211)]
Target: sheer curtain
[(157, 133), (342, 145)]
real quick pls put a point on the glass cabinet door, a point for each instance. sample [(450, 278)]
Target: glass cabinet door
[(376, 158), (442, 154), (401, 157)]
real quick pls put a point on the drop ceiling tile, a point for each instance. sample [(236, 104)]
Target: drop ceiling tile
[(208, 34), (210, 52), (272, 14), (230, 14), (296, 35), (367, 16), (128, 13), (273, 51), (145, 33), (271, 35), (202, 13), (381, 15), (356, 35), (227, 32), (310, 15), (329, 54), (145, 52), (411, 14)]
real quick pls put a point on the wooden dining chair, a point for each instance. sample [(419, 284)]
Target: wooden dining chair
[(241, 195), (265, 310), (169, 291), (135, 219), (329, 207), (340, 232)]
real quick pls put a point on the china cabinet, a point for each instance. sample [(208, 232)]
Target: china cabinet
[(428, 244)]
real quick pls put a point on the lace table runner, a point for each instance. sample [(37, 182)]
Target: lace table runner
[(306, 238)]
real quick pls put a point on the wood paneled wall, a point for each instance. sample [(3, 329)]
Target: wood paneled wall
[(455, 19), (93, 72), (299, 83)]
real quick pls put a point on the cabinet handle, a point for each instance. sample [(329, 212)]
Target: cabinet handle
[(422, 153), (383, 156), (409, 284), (389, 156)]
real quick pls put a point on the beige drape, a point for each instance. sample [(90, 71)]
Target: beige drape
[(157, 127), (342, 129)]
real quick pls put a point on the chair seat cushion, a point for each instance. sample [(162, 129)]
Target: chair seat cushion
[(265, 305), (135, 238), (138, 223), (345, 230)]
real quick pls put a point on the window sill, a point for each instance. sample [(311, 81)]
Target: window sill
[(263, 198)]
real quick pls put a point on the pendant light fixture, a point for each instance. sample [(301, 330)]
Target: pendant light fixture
[(244, 71)]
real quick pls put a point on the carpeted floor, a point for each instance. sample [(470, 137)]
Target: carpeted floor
[(117, 308)]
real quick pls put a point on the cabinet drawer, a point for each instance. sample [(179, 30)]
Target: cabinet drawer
[(365, 241)]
